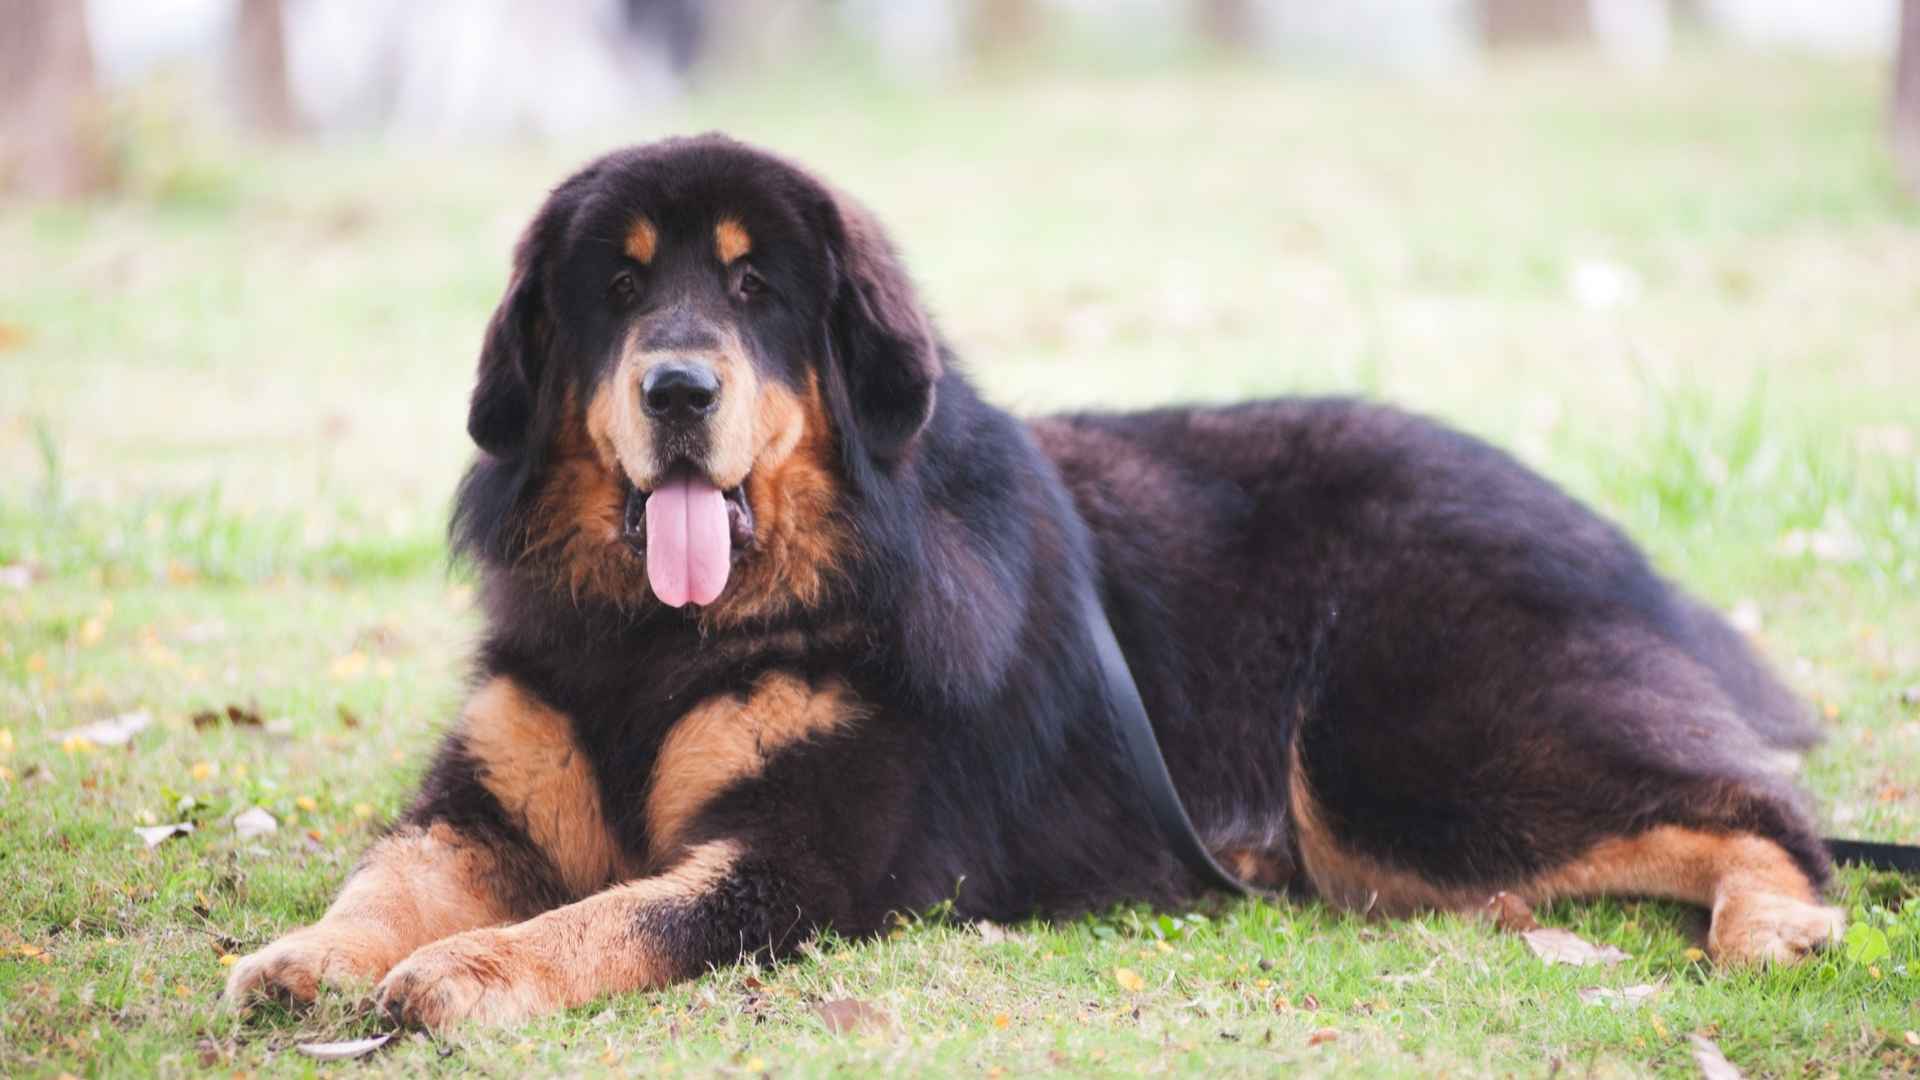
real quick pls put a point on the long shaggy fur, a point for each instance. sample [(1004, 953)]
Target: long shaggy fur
[(1376, 651)]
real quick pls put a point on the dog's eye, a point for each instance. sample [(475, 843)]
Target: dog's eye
[(748, 284), (624, 289)]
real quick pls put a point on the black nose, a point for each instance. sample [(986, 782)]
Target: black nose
[(679, 391)]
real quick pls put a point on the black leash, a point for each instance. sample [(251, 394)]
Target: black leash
[(1135, 729), (1143, 750), (1899, 858)]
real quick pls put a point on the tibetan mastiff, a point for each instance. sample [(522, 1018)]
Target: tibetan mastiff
[(783, 632)]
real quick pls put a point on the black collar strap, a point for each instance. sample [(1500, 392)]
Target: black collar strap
[(1131, 723)]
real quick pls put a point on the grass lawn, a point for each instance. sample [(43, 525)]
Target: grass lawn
[(231, 416)]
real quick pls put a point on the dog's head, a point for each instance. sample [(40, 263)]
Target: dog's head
[(699, 344)]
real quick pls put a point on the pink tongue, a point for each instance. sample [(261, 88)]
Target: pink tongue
[(689, 544)]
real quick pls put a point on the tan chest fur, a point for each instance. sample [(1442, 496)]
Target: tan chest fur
[(730, 738)]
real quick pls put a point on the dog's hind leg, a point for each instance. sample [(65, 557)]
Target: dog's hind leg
[(1724, 843), (1763, 906)]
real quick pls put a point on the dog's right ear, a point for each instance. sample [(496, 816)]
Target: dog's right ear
[(512, 358)]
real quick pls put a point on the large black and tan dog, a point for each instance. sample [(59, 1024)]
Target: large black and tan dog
[(784, 633)]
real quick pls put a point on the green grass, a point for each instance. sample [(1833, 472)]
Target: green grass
[(231, 414)]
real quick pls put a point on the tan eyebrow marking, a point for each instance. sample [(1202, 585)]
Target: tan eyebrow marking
[(641, 240), (730, 240)]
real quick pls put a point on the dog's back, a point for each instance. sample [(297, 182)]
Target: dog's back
[(1370, 636)]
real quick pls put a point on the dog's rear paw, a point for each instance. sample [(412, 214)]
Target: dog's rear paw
[(1761, 928), (293, 969)]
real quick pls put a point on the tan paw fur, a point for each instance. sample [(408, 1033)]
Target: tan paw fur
[(1754, 928), (481, 976), (294, 968)]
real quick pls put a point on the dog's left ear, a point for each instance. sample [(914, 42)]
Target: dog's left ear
[(512, 357), (883, 343)]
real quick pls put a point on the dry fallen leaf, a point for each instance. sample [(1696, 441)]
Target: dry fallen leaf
[(1323, 1035), (1628, 996), (850, 1016), (1564, 947), (1511, 914), (1129, 980), (1713, 1064), (115, 732), (236, 715), (253, 822), (155, 835), (1913, 1038), (343, 1051), (1835, 541)]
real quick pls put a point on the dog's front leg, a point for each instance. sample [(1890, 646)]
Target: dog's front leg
[(720, 901), (424, 881), (507, 824)]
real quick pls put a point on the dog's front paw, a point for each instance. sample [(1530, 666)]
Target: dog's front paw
[(483, 976), (294, 968)]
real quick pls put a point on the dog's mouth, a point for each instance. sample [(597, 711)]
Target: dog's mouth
[(690, 532)]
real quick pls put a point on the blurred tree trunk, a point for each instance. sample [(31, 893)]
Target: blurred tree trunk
[(260, 69), (1906, 97), (53, 137), (1225, 24), (1534, 22), (743, 35), (1000, 26)]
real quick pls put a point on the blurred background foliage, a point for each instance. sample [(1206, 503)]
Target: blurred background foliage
[(89, 87), (248, 244)]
